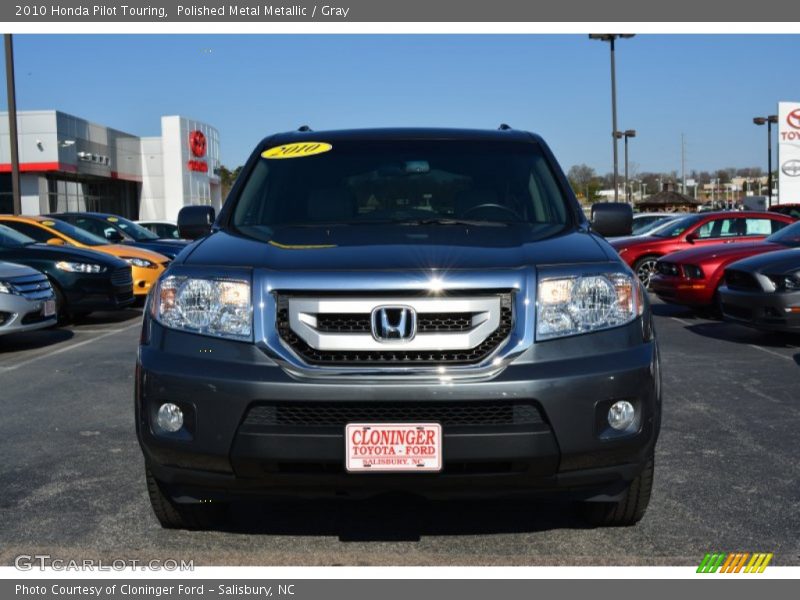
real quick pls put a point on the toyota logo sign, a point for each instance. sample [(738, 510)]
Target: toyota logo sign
[(793, 118), (197, 143), (791, 168)]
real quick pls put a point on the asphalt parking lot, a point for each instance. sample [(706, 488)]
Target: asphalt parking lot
[(727, 470)]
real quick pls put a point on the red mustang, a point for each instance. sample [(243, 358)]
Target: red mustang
[(695, 231), (692, 277)]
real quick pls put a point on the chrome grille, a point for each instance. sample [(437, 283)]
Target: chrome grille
[(32, 287), (360, 323), (320, 332)]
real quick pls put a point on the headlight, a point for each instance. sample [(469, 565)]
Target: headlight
[(693, 272), (5, 288), (139, 262), (786, 283), (666, 268), (584, 303), (79, 267), (218, 307)]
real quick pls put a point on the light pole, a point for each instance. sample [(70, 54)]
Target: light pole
[(628, 133), (12, 125), (769, 121), (611, 38)]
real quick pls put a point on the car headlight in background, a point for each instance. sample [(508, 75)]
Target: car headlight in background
[(210, 306), (583, 303), (5, 288), (786, 283), (693, 272), (79, 267), (667, 268), (139, 262)]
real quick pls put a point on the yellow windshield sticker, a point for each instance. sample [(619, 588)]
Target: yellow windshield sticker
[(297, 150), (48, 223), (300, 246), (112, 219)]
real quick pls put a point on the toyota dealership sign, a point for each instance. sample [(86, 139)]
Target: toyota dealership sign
[(788, 152)]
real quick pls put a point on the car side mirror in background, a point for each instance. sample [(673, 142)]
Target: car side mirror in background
[(195, 221), (691, 237), (56, 242), (611, 219)]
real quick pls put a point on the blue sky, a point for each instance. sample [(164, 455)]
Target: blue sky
[(707, 86)]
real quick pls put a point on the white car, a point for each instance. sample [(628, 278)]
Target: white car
[(27, 300), (163, 229)]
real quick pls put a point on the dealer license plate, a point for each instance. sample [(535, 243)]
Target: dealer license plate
[(381, 447), (49, 308)]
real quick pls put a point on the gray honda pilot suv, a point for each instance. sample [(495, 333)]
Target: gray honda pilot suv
[(417, 310)]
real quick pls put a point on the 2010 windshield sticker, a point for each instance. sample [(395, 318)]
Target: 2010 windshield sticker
[(296, 150)]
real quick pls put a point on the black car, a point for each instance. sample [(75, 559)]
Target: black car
[(422, 310), (119, 230), (763, 291), (83, 281)]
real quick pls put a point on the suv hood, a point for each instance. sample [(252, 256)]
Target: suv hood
[(381, 247)]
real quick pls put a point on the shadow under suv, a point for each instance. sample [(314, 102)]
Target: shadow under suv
[(419, 310)]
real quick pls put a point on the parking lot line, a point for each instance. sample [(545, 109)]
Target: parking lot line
[(65, 348), (681, 321), (778, 354)]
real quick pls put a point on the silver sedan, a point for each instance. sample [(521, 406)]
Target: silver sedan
[(26, 299)]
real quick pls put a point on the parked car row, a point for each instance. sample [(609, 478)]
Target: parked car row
[(58, 267), (744, 266)]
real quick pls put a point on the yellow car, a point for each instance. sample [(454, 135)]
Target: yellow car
[(145, 264)]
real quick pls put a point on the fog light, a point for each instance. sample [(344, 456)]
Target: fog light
[(170, 417), (621, 415)]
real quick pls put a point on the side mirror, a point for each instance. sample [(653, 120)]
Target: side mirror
[(114, 236), (691, 237), (611, 219), (56, 242), (195, 221)]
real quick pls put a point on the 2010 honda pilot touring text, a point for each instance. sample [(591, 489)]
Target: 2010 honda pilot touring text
[(418, 310)]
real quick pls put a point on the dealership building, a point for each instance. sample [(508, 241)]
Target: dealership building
[(70, 164)]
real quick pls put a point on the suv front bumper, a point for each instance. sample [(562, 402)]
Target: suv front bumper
[(569, 450)]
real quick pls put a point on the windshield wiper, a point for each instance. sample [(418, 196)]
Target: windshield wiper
[(446, 221)]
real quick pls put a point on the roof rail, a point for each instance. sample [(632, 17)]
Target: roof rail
[(304, 128), (504, 127)]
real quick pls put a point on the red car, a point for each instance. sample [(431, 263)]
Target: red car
[(694, 231), (692, 277)]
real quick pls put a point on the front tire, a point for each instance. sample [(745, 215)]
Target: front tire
[(645, 268), (172, 515), (630, 509)]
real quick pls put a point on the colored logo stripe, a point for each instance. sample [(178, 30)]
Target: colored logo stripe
[(735, 562)]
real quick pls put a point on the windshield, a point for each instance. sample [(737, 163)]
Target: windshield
[(436, 182), (13, 239), (80, 235), (788, 236), (136, 231), (677, 227)]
